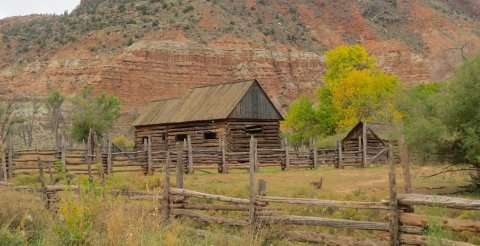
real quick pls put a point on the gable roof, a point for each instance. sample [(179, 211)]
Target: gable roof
[(203, 103), (381, 130)]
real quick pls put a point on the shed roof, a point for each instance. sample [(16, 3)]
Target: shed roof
[(203, 103)]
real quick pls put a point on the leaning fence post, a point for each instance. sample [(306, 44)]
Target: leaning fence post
[(224, 157), (190, 155), (166, 189), (179, 172), (252, 187), (393, 203), (149, 156)]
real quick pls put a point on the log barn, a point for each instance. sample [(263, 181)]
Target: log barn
[(370, 139), (208, 116)]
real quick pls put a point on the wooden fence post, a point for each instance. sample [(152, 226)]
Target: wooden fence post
[(149, 156), (287, 156), (190, 155), (4, 169), (340, 154), (224, 157), (63, 157), (98, 149), (50, 174), (89, 156), (166, 189), (41, 178), (393, 203), (109, 157), (179, 172), (89, 170), (89, 144), (252, 187), (10, 157), (405, 164), (315, 155), (365, 144), (255, 151)]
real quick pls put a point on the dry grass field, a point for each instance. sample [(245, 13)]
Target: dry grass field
[(93, 219)]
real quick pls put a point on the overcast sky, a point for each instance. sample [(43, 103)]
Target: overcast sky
[(26, 7)]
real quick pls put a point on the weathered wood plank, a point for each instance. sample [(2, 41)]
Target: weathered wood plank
[(191, 193), (447, 223), (324, 203), (443, 201), (336, 223), (208, 218)]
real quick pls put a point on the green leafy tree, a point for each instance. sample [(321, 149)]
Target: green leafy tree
[(54, 106), (449, 124), (301, 120), (98, 113)]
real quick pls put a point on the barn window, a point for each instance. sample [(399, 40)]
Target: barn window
[(180, 137), (209, 135), (253, 129)]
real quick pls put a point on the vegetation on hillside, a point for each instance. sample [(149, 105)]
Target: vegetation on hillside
[(355, 90)]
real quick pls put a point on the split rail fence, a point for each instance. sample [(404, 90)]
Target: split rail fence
[(401, 226), (107, 158)]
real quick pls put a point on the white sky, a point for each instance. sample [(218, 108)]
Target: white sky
[(25, 7)]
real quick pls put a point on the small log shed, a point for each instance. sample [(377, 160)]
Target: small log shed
[(226, 113), (370, 138)]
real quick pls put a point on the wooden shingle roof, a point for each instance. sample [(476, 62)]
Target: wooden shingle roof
[(204, 103)]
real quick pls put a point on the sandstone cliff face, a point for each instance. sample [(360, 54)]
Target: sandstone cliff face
[(424, 42)]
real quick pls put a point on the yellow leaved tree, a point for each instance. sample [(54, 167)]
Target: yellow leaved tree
[(355, 90)]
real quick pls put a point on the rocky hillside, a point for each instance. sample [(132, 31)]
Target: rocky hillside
[(155, 49)]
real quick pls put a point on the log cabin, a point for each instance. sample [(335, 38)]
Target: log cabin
[(228, 113), (370, 139)]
